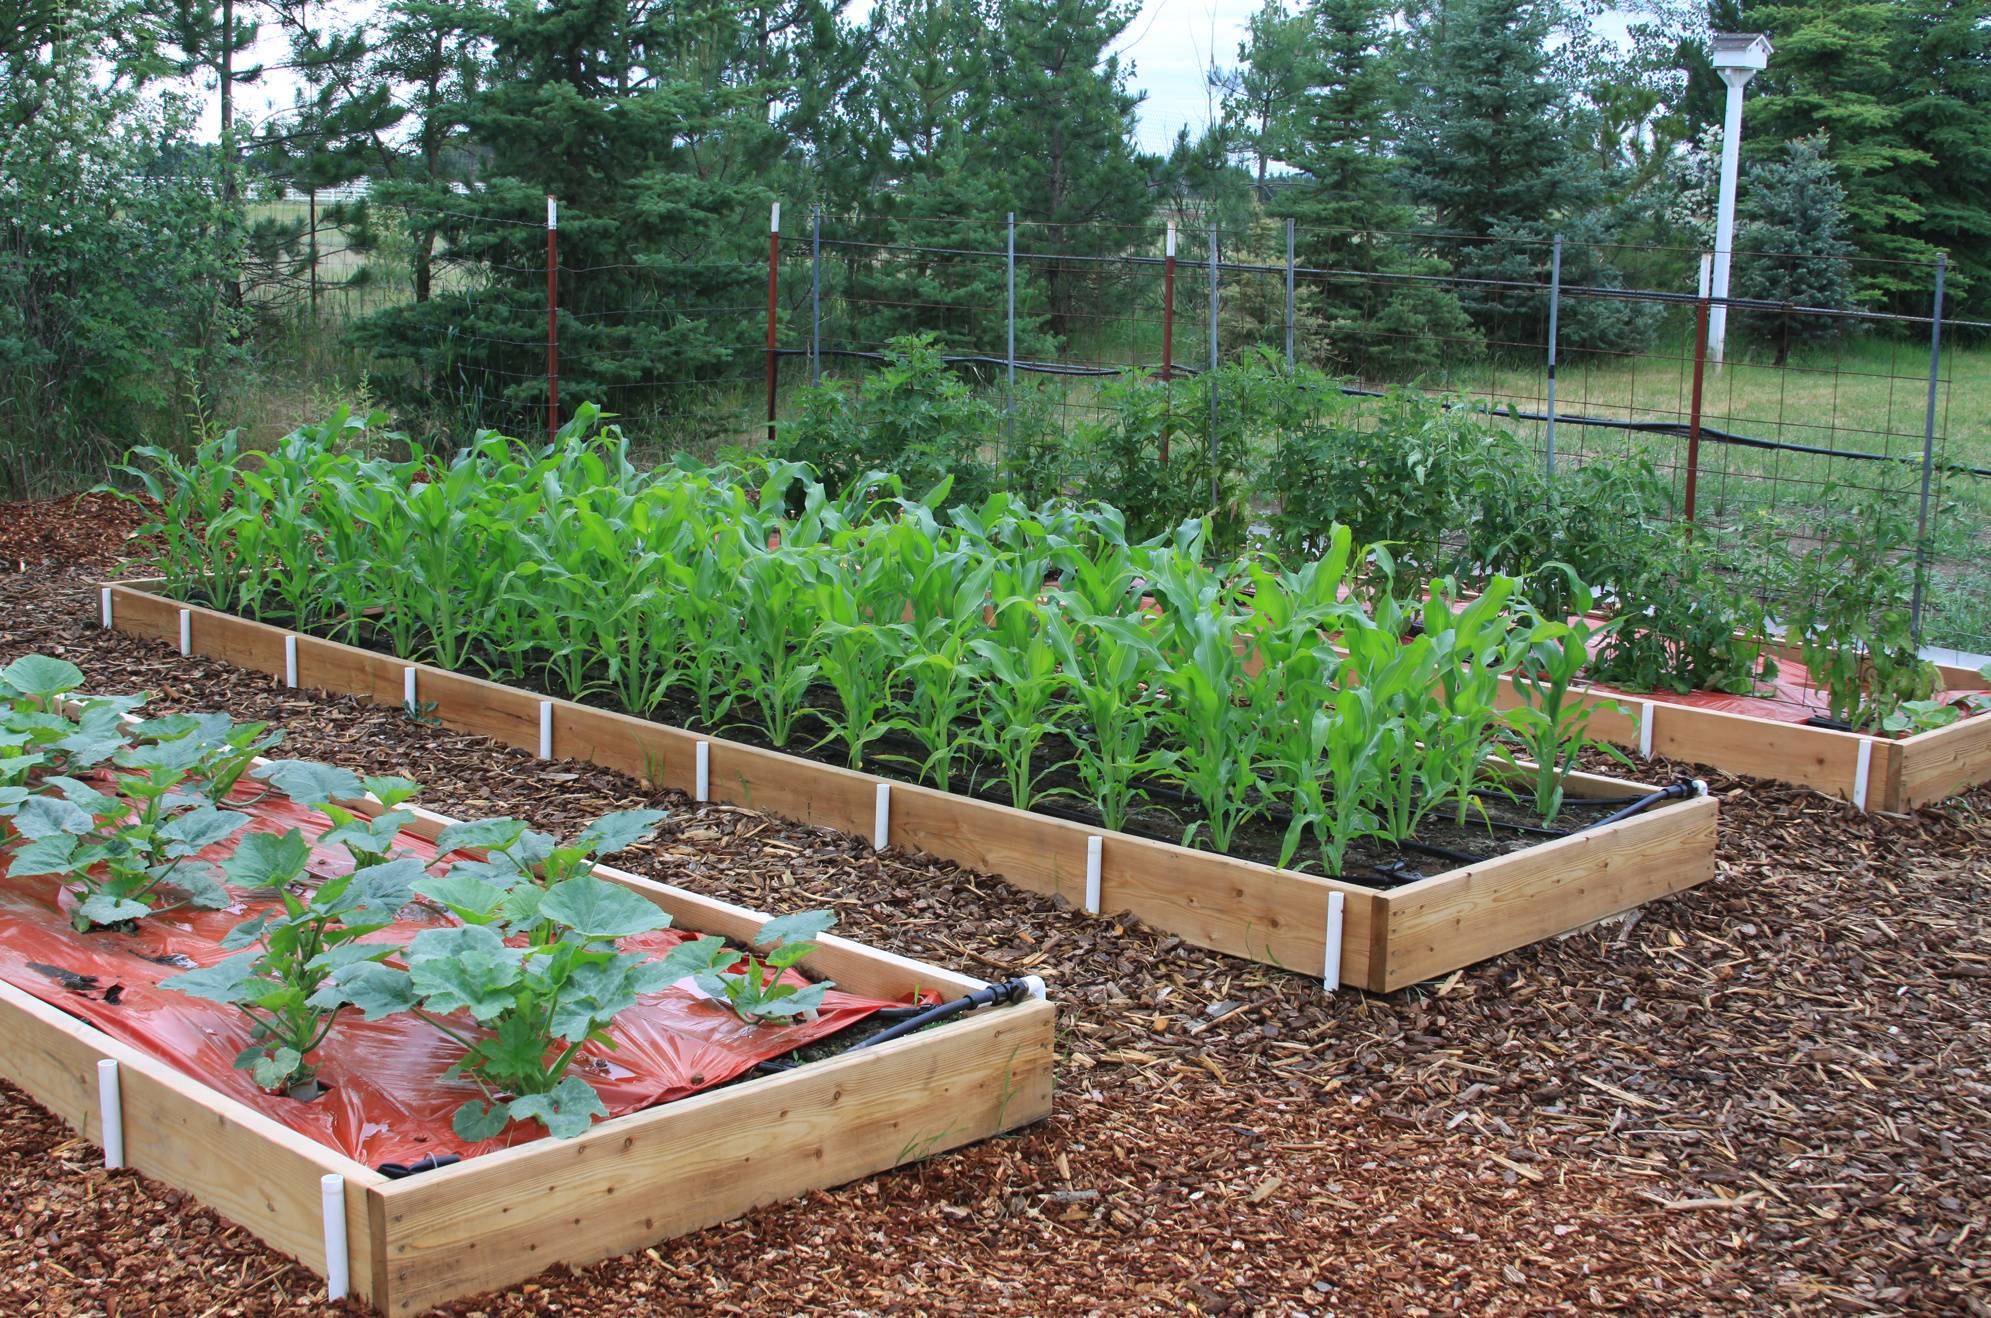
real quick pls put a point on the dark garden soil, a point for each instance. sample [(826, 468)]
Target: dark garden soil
[(1769, 1094)]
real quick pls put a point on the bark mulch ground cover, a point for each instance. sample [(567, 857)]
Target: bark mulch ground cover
[(1768, 1094)]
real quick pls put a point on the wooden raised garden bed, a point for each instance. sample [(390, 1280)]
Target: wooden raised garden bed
[(1341, 932), (1873, 772), (408, 1244)]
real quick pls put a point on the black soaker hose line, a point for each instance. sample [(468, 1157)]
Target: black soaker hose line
[(908, 1019), (1680, 791), (1012, 990)]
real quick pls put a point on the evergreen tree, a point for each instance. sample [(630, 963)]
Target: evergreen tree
[(605, 107), (1835, 73), (1942, 65), (1491, 156), (1791, 245), (1058, 130), (433, 61), (1348, 213), (928, 191), (1267, 85)]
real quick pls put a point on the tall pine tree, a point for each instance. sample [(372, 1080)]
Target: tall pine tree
[(1348, 214), (656, 165)]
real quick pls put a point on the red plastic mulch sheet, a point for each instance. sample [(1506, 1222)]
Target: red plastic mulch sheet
[(387, 1099), (1789, 698)]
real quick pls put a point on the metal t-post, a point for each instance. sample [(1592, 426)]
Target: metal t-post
[(1289, 293), (1009, 360), (1213, 369), (1555, 312), (816, 296), (1928, 450), (552, 318)]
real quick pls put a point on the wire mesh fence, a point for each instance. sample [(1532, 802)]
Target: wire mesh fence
[(1589, 352)]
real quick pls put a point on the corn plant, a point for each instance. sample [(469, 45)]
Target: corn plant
[(857, 648), (1108, 664), (770, 659), (1018, 708), (197, 560), (948, 599), (1550, 725), (1470, 654), (1211, 723)]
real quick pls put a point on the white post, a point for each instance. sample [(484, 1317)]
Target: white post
[(408, 687), (186, 632), (545, 729), (881, 818), (110, 1109), (332, 1196), (1093, 846), (1861, 771), (1645, 729), (290, 662), (1330, 978), (107, 608), (1724, 220), (701, 790)]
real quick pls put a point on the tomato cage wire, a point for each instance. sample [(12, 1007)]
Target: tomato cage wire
[(1587, 351)]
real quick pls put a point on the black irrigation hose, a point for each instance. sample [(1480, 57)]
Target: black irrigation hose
[(1680, 791), (995, 995), (908, 1019)]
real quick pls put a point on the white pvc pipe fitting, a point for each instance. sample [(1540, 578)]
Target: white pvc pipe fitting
[(110, 1111), (290, 662), (332, 1193), (186, 632), (545, 729), (1330, 978), (106, 601), (1093, 846), (881, 818), (408, 687), (701, 758)]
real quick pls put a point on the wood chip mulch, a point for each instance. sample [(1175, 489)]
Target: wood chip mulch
[(1769, 1094)]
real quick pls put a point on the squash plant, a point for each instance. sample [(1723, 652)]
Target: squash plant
[(304, 934), (752, 986)]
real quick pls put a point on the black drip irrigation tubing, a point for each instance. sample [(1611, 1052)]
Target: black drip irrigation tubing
[(907, 1020)]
